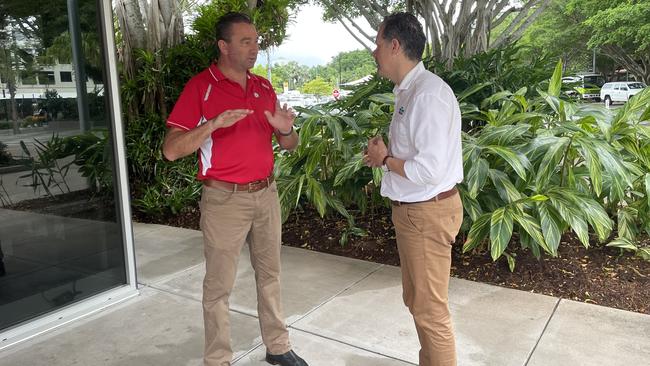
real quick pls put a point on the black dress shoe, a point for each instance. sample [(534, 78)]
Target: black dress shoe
[(286, 359)]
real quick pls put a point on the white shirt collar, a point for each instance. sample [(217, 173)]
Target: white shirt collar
[(409, 77)]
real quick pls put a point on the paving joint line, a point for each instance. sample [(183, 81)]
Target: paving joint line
[(352, 345), (548, 321), (235, 360), (187, 297), (171, 276), (336, 295)]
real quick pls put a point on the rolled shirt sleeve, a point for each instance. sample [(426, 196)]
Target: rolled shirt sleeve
[(429, 134)]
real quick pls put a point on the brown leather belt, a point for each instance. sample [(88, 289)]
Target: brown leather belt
[(440, 196), (237, 187)]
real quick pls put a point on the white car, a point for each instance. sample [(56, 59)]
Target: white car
[(620, 91)]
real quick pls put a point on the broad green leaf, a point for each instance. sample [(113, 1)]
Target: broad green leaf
[(565, 207), (551, 225), (532, 227), (349, 169), (472, 207), (386, 98), (627, 223), (645, 116), (500, 231), (555, 84), (521, 117), (301, 184), (479, 231), (550, 162), (596, 216), (477, 176), (511, 261), (471, 90), (593, 163), (643, 253), (315, 156), (352, 123), (623, 243), (377, 175), (337, 205), (335, 129), (612, 162), (507, 191), (538, 198), (502, 95), (317, 195), (647, 187), (518, 162), (527, 242), (502, 135)]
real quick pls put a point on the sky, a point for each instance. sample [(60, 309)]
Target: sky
[(311, 41)]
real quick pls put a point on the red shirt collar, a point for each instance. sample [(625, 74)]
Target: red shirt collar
[(219, 76)]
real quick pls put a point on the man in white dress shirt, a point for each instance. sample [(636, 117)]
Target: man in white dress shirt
[(422, 166)]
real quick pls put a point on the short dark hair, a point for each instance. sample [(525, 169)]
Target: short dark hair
[(406, 28), (223, 26)]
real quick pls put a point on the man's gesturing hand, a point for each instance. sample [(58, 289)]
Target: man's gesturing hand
[(376, 152), (283, 118), (228, 118)]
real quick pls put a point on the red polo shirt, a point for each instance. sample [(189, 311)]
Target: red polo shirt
[(240, 153)]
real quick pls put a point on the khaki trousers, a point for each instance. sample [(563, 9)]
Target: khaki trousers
[(425, 232), (228, 220)]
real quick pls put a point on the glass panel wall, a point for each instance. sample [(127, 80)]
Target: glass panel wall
[(61, 239)]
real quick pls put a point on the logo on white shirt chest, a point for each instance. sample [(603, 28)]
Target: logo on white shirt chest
[(401, 110)]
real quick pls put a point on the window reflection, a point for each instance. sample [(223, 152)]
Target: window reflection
[(60, 239)]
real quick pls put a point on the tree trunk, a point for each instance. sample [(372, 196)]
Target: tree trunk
[(154, 26), (11, 85), (457, 26), (131, 23), (639, 69)]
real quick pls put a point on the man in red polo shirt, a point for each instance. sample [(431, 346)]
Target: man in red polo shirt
[(230, 116)]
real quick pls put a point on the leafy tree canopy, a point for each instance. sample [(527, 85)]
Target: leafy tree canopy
[(618, 29), (317, 86)]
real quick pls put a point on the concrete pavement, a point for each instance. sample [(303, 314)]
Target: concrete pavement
[(340, 311)]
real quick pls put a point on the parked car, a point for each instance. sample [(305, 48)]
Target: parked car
[(620, 91), (586, 86)]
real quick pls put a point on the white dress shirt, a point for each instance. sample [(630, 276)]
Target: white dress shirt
[(425, 132)]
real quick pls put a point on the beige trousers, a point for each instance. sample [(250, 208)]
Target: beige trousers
[(228, 220), (425, 232)]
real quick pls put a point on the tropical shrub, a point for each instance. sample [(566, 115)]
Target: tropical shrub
[(326, 167), (535, 166), (543, 166), (159, 188)]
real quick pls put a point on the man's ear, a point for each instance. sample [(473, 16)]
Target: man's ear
[(395, 46), (223, 46)]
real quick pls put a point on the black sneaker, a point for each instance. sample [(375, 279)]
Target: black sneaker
[(286, 359)]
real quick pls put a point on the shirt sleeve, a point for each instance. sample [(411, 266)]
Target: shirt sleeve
[(430, 132), (187, 112)]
